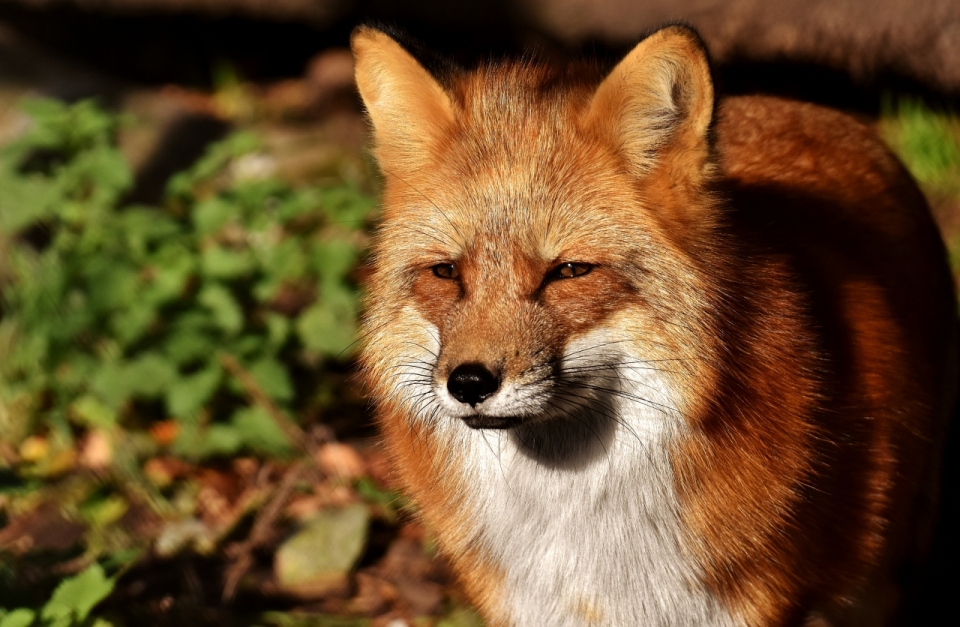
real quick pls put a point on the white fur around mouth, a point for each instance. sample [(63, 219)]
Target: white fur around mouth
[(510, 401)]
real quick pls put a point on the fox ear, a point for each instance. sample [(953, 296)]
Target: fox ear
[(408, 108), (658, 98)]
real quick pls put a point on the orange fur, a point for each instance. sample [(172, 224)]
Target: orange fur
[(773, 252)]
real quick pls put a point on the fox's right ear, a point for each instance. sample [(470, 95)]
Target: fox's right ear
[(410, 111)]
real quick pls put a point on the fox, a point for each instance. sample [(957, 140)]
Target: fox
[(643, 355)]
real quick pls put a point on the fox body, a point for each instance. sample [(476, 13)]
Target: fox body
[(644, 360)]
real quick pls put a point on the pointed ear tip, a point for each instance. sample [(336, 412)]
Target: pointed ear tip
[(363, 36), (688, 34), (681, 30)]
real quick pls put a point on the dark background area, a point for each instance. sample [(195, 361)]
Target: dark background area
[(152, 42)]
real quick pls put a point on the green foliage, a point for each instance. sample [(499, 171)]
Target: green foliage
[(283, 619), (461, 617), (116, 316), (928, 142), (70, 605), (389, 502)]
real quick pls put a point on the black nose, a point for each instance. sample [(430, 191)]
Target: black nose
[(472, 383)]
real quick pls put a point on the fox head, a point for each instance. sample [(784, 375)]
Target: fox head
[(546, 233)]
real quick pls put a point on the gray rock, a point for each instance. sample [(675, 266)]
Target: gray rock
[(317, 559)]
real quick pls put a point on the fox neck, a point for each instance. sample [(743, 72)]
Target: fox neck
[(581, 517)]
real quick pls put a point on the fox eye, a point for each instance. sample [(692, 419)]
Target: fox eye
[(569, 271), (446, 271)]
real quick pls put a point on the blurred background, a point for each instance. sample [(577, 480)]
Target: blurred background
[(185, 202)]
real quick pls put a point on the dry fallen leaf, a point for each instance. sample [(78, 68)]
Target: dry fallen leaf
[(96, 450), (34, 448), (162, 471), (165, 432), (43, 529), (341, 461)]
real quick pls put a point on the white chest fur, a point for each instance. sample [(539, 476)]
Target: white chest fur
[(582, 517)]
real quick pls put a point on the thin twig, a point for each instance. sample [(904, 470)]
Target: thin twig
[(262, 524), (267, 516), (294, 434)]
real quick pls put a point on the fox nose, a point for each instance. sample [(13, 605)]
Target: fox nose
[(472, 383)]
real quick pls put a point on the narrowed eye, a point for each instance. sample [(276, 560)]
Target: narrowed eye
[(569, 271), (446, 271)]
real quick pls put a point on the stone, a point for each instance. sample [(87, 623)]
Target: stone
[(318, 558)]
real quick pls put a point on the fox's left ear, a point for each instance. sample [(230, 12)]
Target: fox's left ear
[(658, 100)]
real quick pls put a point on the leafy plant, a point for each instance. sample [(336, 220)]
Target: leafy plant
[(70, 605), (141, 346), (927, 141), (119, 315)]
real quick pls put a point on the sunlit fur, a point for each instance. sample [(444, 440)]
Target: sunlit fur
[(733, 418)]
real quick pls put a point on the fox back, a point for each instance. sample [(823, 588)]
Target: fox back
[(646, 360)]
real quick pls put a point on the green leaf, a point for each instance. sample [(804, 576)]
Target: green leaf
[(226, 312), (278, 330), (122, 557), (110, 283), (390, 501), (111, 384), (347, 205), (284, 261), (102, 510), (335, 259), (329, 325), (130, 324), (223, 263), (71, 126), (304, 619), (170, 267), (189, 442), (246, 345), (150, 374), (273, 379), (98, 175), (212, 214), (221, 440), (216, 159), (143, 225), (304, 201), (147, 376), (24, 200), (187, 395), (256, 195), (193, 337), (461, 617), (76, 596), (90, 411), (926, 143), (18, 618), (258, 432), (75, 370)]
